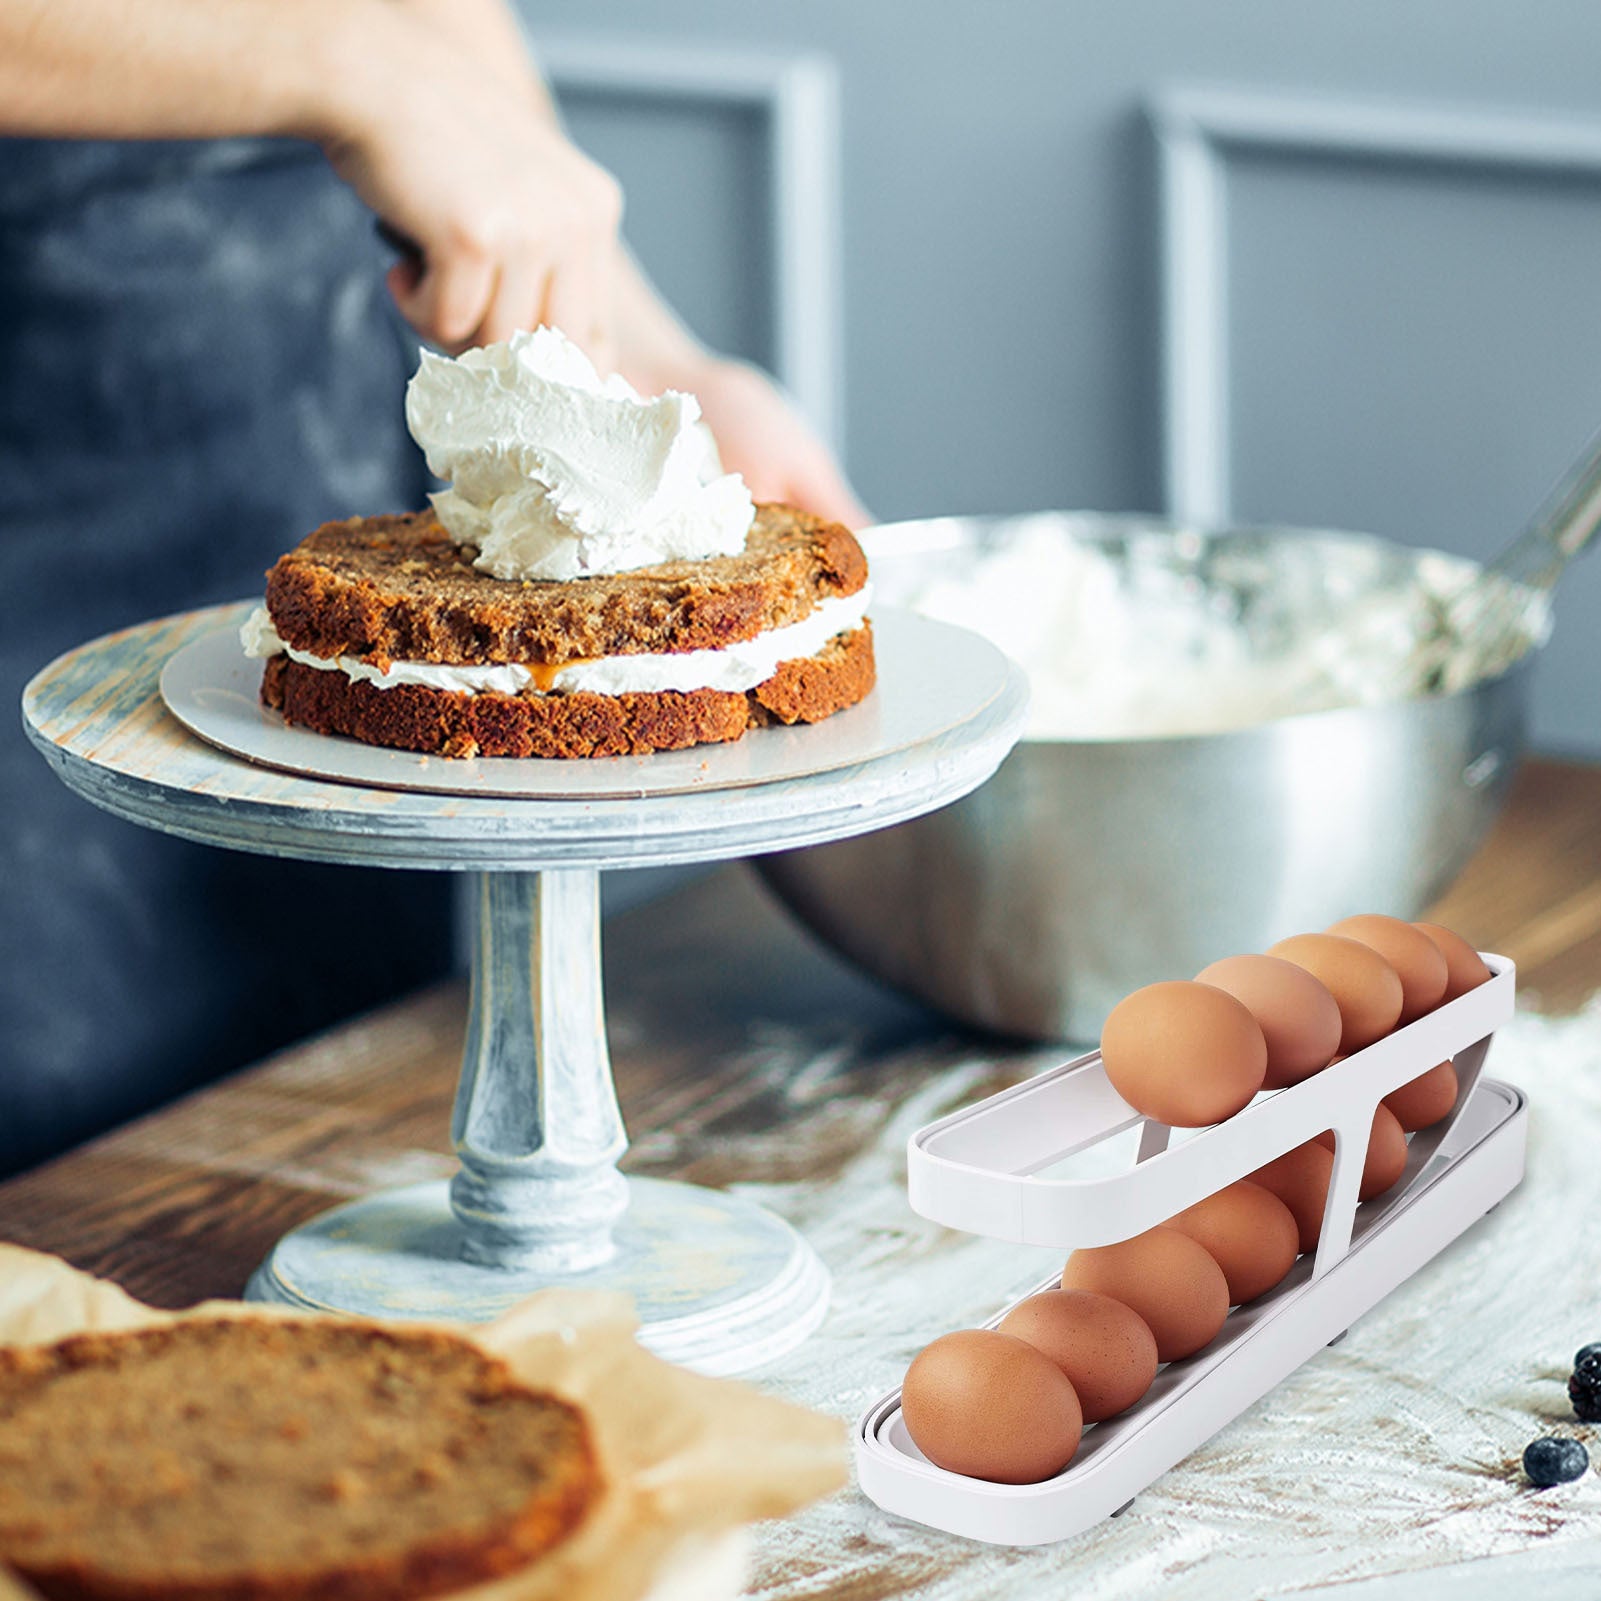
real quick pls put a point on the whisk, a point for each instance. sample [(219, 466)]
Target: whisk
[(1493, 619)]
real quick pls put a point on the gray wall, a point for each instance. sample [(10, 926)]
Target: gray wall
[(1414, 347)]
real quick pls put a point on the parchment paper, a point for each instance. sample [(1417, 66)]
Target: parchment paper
[(687, 1461)]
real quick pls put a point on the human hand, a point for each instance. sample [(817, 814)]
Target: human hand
[(761, 436), (514, 226)]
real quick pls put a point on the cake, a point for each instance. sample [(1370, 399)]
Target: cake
[(266, 1460), (363, 605), (590, 585)]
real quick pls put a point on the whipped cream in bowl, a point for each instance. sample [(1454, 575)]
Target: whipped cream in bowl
[(1131, 629), (556, 473)]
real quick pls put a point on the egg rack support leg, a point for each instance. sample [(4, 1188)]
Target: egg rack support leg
[(1339, 1206), (1350, 1152), (719, 1284)]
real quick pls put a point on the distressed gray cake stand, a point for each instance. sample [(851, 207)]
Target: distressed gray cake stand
[(720, 1284)]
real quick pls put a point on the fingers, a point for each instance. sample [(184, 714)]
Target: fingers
[(459, 300), (813, 483), (449, 300), (556, 271), (403, 278), (469, 166), (578, 301), (514, 225), (763, 437), (826, 493), (530, 291), (520, 290), (570, 306), (823, 489)]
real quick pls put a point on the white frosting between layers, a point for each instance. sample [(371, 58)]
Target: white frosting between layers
[(556, 473), (734, 668)]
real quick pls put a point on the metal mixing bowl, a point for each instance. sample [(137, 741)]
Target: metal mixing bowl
[(1086, 868)]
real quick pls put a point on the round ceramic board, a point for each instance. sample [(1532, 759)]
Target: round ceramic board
[(931, 678)]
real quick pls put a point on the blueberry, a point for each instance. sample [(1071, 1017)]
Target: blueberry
[(1584, 1388), (1554, 1461)]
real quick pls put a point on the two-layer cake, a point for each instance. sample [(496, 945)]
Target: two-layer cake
[(590, 584)]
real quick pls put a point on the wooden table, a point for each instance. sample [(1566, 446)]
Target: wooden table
[(713, 996)]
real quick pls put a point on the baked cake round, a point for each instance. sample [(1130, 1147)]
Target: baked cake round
[(382, 629), (259, 1460)]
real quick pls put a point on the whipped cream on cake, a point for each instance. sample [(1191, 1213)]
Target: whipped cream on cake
[(556, 473)]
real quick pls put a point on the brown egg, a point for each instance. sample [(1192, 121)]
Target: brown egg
[(1185, 1054), (1385, 1160), (1249, 1232), (1300, 1178), (1106, 1349), (1365, 987), (1417, 960), (1167, 1278), (992, 1407), (1298, 1017), (1464, 965), (1425, 1100)]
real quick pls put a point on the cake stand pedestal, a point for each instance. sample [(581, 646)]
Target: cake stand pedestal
[(720, 1284)]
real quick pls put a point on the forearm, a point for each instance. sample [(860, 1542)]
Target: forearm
[(487, 31), (655, 351), (182, 69)]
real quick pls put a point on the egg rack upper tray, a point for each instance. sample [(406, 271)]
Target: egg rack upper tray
[(987, 1170)]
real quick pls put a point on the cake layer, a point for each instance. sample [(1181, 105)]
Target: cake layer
[(443, 722), (279, 1461), (399, 589)]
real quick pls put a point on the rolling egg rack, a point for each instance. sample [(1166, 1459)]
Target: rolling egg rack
[(1004, 1168)]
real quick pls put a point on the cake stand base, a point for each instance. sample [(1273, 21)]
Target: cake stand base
[(720, 1285)]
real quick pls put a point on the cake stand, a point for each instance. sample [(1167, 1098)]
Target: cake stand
[(720, 1284)]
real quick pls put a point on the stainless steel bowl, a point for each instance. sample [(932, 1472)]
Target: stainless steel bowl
[(1085, 869)]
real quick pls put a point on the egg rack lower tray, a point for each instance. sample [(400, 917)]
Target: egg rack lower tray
[(1002, 1168)]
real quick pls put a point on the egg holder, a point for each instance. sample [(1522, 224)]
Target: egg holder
[(992, 1169)]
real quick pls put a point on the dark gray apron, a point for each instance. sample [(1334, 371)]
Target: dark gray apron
[(198, 364)]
